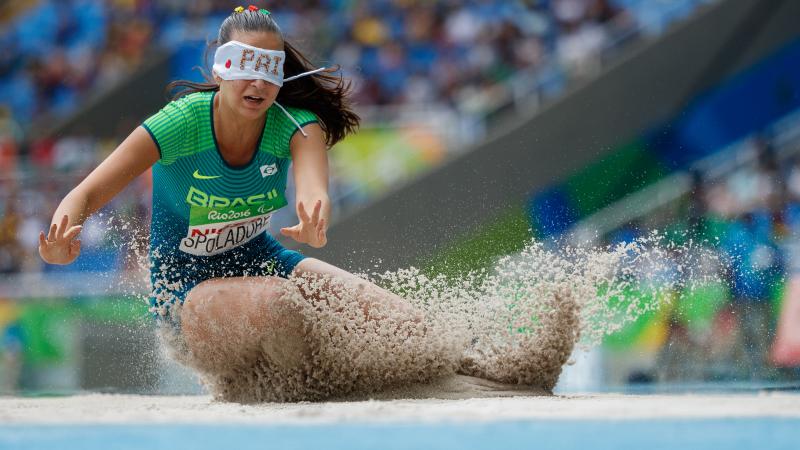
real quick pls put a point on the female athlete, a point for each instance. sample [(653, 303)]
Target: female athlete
[(220, 154), (234, 301)]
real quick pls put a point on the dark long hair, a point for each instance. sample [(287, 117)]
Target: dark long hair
[(323, 94)]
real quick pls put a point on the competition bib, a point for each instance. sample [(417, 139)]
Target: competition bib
[(214, 230)]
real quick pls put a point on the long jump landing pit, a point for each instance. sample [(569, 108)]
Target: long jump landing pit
[(757, 420)]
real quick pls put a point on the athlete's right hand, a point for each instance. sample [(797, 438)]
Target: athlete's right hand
[(59, 246)]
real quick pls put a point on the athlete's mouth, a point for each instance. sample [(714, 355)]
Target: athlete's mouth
[(255, 100)]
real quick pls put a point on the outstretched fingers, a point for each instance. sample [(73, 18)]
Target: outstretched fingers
[(72, 232), (51, 235), (302, 214), (321, 230), (315, 215), (62, 227), (311, 228), (292, 232)]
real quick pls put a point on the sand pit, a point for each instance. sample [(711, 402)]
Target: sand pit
[(597, 422), (515, 325), (136, 409)]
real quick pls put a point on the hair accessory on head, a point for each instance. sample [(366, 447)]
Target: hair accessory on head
[(264, 11), (239, 9), (252, 8)]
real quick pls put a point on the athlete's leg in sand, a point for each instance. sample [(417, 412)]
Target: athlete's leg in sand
[(226, 320), (376, 302)]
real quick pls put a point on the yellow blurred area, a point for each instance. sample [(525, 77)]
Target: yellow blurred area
[(654, 335), (370, 31), (9, 312), (376, 158)]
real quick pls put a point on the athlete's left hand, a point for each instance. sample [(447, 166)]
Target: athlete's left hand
[(311, 230)]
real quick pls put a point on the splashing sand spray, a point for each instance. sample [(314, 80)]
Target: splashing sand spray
[(510, 328)]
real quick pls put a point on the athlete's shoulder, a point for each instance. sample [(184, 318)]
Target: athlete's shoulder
[(178, 127), (188, 108), (197, 98), (193, 104), (282, 124), (300, 115)]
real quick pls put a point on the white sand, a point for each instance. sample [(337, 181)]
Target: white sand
[(317, 338), (135, 409)]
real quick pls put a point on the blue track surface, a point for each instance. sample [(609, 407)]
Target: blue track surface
[(727, 434)]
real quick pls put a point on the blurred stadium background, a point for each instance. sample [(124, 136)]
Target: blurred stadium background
[(487, 122)]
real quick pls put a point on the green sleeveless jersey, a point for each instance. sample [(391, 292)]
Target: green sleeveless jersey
[(203, 206)]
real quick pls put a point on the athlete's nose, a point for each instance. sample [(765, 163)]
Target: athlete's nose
[(258, 83)]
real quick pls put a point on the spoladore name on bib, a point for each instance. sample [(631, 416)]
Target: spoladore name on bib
[(239, 61), (216, 227)]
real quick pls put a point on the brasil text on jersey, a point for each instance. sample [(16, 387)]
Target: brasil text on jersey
[(218, 224)]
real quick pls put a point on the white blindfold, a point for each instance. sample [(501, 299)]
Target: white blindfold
[(238, 61)]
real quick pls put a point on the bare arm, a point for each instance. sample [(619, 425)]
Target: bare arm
[(130, 159), (310, 162)]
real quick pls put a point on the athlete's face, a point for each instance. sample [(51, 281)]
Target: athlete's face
[(251, 98)]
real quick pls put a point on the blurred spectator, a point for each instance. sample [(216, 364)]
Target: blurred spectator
[(786, 346), (10, 137), (756, 267), (10, 250), (756, 186), (12, 345), (743, 229)]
